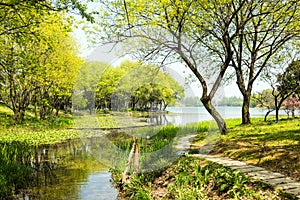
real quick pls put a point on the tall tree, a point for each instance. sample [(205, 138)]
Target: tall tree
[(197, 33), (136, 85), (37, 69), (58, 65), (265, 29), (16, 70), (85, 88)]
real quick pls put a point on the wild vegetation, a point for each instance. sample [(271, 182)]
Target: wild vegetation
[(192, 178), (274, 146)]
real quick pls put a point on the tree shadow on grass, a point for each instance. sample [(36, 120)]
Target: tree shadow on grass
[(276, 148), (282, 159)]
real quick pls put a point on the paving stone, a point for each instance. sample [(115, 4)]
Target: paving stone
[(278, 181), (295, 191), (264, 174), (237, 167), (295, 184), (250, 168), (233, 163), (286, 186)]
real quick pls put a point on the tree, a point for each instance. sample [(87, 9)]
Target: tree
[(107, 94), (16, 69), (38, 69), (58, 66), (152, 97), (19, 33), (265, 28), (136, 86), (22, 16), (291, 104), (265, 99), (187, 31), (85, 88), (288, 83)]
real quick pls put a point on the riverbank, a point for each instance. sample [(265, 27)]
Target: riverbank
[(274, 146)]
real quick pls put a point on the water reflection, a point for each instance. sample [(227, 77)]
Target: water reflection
[(64, 171), (98, 186)]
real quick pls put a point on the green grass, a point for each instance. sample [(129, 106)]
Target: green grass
[(40, 137), (34, 131), (274, 146), (31, 123)]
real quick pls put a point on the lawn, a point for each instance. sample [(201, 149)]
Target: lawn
[(274, 146)]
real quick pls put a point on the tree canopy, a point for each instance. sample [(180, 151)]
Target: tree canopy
[(38, 70), (208, 36), (165, 31)]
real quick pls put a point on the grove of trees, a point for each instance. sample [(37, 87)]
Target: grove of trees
[(132, 85), (209, 37), (38, 58)]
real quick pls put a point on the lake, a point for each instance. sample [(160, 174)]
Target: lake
[(185, 115)]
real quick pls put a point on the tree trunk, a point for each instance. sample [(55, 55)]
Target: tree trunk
[(276, 107), (245, 109), (267, 114), (276, 114), (216, 115)]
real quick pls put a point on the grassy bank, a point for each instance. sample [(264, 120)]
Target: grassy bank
[(33, 131), (57, 129), (191, 178), (274, 146)]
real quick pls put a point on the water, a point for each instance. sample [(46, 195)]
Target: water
[(98, 186), (184, 115), (69, 171)]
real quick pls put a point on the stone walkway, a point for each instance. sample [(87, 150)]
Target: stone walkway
[(277, 180), (184, 143)]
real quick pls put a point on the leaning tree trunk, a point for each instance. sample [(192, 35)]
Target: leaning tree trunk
[(216, 115), (246, 119), (267, 114)]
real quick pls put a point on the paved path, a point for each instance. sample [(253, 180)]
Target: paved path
[(277, 180), (184, 143)]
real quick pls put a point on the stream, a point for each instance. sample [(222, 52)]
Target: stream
[(69, 171)]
